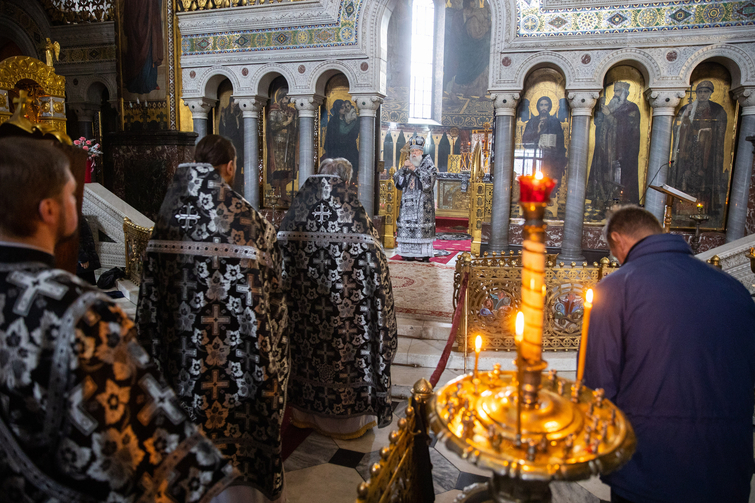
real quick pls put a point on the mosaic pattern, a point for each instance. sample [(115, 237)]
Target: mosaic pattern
[(343, 33), (88, 54), (535, 21)]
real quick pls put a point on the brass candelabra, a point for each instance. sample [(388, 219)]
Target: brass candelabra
[(527, 427)]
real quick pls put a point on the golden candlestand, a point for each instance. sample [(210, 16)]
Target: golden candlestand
[(561, 439), (527, 427)]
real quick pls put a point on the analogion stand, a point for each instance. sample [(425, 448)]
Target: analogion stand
[(671, 194)]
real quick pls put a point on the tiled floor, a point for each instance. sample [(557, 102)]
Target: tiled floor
[(323, 470)]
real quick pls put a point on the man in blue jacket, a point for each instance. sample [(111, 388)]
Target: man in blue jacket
[(672, 342)]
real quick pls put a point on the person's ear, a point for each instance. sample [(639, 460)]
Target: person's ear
[(48, 210), (229, 169)]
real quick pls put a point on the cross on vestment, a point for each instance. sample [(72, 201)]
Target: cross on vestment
[(366, 392), (216, 320), (161, 400), (248, 415), (322, 213), (323, 307), (221, 186), (325, 351), (186, 284), (215, 384), (368, 260), (321, 261), (247, 355), (78, 414), (187, 218), (149, 486), (185, 351), (350, 375), (349, 330), (247, 289), (274, 394), (33, 285)]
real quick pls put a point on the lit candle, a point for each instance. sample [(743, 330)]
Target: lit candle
[(519, 327), (700, 208), (583, 342), (477, 348), (535, 188)]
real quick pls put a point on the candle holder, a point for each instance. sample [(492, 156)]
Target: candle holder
[(698, 218), (526, 432)]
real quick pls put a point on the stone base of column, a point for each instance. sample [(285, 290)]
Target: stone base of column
[(571, 256)]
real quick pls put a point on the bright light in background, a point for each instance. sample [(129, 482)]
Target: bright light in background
[(421, 90), (588, 296)]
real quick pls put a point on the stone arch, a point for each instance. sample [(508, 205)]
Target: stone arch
[(19, 36), (211, 79), (637, 58), (85, 84), (545, 59), (324, 71), (740, 65), (265, 76)]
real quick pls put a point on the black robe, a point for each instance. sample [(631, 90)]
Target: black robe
[(344, 334), (85, 415), (213, 315)]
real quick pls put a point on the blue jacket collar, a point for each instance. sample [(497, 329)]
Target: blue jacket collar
[(658, 243)]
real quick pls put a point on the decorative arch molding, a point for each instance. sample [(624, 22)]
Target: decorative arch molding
[(265, 75), (739, 63), (324, 71), (17, 68), (80, 92), (211, 79), (649, 68), (546, 59), (19, 36)]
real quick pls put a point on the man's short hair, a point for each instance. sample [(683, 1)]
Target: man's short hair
[(631, 220), (338, 166), (215, 150), (30, 170)]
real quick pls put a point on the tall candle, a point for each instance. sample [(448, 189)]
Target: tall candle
[(477, 348), (583, 341)]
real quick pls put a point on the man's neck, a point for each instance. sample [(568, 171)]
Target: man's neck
[(37, 242)]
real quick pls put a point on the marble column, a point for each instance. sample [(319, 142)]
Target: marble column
[(581, 104), (740, 181), (664, 103), (368, 106), (250, 109), (503, 169), (308, 107), (200, 108), (85, 113)]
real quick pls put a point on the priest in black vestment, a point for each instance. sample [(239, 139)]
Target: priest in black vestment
[(343, 323), (213, 315)]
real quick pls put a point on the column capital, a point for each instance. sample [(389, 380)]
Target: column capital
[(582, 102), (200, 107), (664, 101), (367, 104), (746, 98), (250, 105), (84, 111), (504, 102), (307, 105)]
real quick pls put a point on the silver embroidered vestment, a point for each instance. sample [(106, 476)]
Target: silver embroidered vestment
[(212, 313), (415, 227), (343, 336)]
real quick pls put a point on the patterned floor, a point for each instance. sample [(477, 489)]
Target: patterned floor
[(323, 470)]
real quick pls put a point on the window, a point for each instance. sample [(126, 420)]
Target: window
[(422, 51)]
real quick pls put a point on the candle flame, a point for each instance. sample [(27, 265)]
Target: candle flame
[(477, 344), (539, 175), (588, 296), (519, 326)]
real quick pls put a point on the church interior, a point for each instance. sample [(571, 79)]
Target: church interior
[(650, 103)]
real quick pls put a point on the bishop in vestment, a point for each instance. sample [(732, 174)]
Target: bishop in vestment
[(85, 414), (340, 306), (415, 226), (212, 313)]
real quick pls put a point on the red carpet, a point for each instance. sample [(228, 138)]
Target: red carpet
[(454, 247)]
